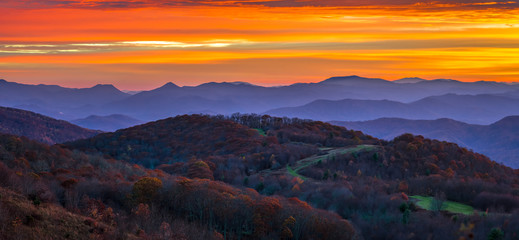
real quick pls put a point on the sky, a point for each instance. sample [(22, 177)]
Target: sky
[(142, 44)]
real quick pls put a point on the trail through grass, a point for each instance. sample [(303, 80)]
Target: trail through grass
[(449, 206), (294, 173), (306, 162)]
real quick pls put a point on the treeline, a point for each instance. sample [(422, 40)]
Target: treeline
[(301, 130), (40, 128)]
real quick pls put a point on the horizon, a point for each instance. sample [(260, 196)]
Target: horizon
[(142, 44), (91, 85)]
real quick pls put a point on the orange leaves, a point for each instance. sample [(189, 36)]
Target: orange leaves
[(268, 206), (286, 232), (200, 169), (299, 203), (69, 183), (97, 210), (146, 189), (264, 214), (404, 197), (449, 173), (142, 210), (432, 167), (403, 187)]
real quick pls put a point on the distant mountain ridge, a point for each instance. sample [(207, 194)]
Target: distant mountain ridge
[(499, 140), (410, 80), (55, 101), (40, 128), (230, 97), (107, 123), (475, 109)]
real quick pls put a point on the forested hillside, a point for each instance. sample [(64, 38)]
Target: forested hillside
[(499, 140), (374, 183), (62, 194), (232, 150), (40, 128)]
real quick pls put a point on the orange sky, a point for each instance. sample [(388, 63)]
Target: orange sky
[(141, 44)]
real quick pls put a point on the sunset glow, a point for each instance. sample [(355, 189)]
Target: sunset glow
[(142, 44)]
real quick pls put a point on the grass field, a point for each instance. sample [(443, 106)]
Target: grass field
[(304, 163), (294, 173), (260, 131), (449, 206)]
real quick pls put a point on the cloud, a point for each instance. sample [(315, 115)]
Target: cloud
[(244, 46), (398, 4), (41, 48)]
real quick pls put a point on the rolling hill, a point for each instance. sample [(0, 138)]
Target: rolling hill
[(327, 166), (498, 140), (314, 179), (39, 127), (52, 192)]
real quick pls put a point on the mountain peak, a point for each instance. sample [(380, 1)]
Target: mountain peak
[(410, 80), (241, 83), (3, 81), (345, 78), (105, 87), (352, 79), (168, 86), (508, 121), (444, 80)]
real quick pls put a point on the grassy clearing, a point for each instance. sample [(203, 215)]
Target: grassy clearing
[(325, 148), (449, 206), (304, 163), (260, 131), (294, 173)]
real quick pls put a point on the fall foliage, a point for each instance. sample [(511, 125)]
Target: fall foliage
[(216, 177)]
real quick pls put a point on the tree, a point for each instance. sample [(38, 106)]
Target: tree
[(288, 224), (264, 216), (496, 234), (146, 189), (200, 169), (437, 201)]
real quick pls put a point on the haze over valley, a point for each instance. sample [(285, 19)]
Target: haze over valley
[(349, 98)]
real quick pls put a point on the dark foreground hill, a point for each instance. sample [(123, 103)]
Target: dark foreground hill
[(39, 127), (363, 179), (499, 141), (49, 192)]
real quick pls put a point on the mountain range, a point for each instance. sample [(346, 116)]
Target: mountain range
[(411, 97), (476, 109)]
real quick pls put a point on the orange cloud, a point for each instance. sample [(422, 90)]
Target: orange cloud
[(138, 44)]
